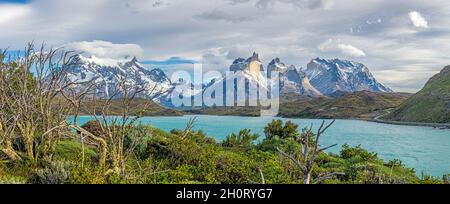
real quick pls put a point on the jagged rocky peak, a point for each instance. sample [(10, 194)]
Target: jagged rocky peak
[(255, 57), (251, 67), (255, 66), (238, 65), (109, 73), (276, 65), (158, 75), (292, 80), (291, 67), (241, 64), (331, 75), (133, 62)]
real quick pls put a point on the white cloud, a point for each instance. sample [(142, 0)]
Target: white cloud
[(418, 20), (346, 49), (105, 49), (219, 15), (311, 4), (351, 50), (9, 13)]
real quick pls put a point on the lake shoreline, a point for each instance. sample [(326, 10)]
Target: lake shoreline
[(378, 119), (445, 126), (434, 125)]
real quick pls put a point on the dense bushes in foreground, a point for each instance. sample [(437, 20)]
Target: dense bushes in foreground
[(161, 157)]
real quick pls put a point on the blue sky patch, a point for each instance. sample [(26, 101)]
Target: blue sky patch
[(14, 1), (170, 61)]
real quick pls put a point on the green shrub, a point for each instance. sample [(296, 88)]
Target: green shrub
[(140, 140), (276, 129), (71, 150), (348, 152), (446, 179), (269, 167), (94, 127), (426, 179), (89, 173), (233, 168), (10, 179), (53, 172), (182, 175), (242, 140)]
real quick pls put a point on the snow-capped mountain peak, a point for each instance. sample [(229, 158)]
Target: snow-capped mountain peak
[(242, 64), (291, 79), (105, 62), (276, 65), (331, 75), (322, 77), (252, 66), (107, 74)]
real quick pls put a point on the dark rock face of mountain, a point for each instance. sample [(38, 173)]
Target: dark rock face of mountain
[(291, 79), (242, 64), (329, 76)]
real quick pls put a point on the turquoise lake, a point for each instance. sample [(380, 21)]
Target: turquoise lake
[(425, 149)]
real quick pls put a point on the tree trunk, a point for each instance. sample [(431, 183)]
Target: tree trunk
[(28, 136), (11, 153), (103, 146), (307, 178)]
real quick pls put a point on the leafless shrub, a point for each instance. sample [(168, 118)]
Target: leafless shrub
[(113, 128), (32, 115), (306, 159)]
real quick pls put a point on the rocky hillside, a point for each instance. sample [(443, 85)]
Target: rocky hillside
[(431, 104), (358, 105), (137, 106)]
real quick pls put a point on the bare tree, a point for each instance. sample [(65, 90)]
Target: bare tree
[(33, 117), (114, 127), (308, 154), (37, 98)]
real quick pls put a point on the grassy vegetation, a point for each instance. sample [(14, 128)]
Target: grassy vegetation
[(137, 105), (165, 158), (227, 111), (359, 105), (431, 104)]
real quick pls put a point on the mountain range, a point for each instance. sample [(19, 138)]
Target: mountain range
[(335, 75), (108, 75), (327, 88), (321, 78)]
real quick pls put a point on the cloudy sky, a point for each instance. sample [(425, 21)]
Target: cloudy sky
[(403, 42)]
